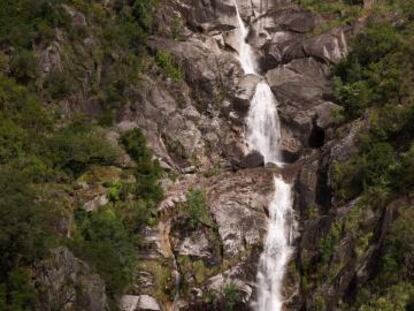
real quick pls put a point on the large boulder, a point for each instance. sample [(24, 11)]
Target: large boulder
[(209, 15), (251, 160), (301, 88), (331, 47)]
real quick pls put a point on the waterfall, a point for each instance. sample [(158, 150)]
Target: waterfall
[(277, 249), (263, 135), (263, 128), (245, 50)]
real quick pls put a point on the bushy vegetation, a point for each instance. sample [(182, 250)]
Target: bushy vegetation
[(148, 171), (43, 154), (373, 85), (109, 238), (230, 299), (169, 66), (392, 288), (334, 12), (197, 210)]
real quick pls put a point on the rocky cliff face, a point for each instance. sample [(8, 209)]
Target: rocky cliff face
[(195, 126)]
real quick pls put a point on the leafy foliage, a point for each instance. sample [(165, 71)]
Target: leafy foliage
[(197, 210), (77, 146), (372, 85), (40, 151), (148, 171), (105, 243), (166, 62)]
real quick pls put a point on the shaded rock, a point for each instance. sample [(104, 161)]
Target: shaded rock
[(290, 145), (306, 186), (152, 247), (279, 34), (252, 159), (210, 15), (291, 18), (300, 88), (196, 245), (301, 80), (314, 230), (189, 170), (325, 114), (148, 303), (69, 284)]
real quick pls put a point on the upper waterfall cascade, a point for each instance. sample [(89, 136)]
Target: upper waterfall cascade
[(264, 135)]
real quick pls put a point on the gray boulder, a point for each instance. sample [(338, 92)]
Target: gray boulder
[(252, 159)]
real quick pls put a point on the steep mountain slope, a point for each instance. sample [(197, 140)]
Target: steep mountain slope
[(125, 178)]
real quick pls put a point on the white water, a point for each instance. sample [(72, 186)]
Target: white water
[(263, 135), (277, 249), (245, 50), (263, 128)]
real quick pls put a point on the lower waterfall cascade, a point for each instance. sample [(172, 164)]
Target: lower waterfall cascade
[(264, 136)]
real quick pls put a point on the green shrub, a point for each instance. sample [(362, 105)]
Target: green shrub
[(328, 243), (374, 72), (18, 293), (142, 12), (398, 297), (25, 236), (376, 165), (76, 147), (24, 21), (23, 221), (197, 210), (177, 28), (58, 85), (399, 247), (24, 67), (135, 216), (168, 65), (12, 140), (231, 297), (148, 171), (105, 243), (405, 180)]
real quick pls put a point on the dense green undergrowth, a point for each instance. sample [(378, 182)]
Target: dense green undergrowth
[(374, 86), (42, 155), (334, 12)]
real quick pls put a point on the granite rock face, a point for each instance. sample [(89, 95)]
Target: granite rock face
[(199, 123), (69, 283), (196, 128)]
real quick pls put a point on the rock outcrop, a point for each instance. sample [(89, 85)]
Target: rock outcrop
[(195, 126), (68, 283)]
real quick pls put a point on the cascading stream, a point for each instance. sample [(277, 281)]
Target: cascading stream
[(263, 135), (263, 128)]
